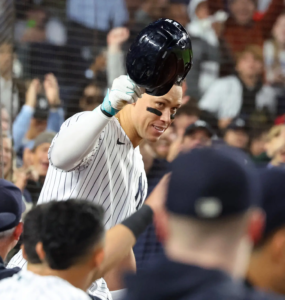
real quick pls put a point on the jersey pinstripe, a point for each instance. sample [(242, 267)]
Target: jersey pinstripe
[(111, 175), (26, 285)]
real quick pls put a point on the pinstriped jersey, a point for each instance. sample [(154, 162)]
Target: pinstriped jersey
[(26, 285), (111, 175)]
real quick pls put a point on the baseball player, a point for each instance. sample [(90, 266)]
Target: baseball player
[(95, 156)]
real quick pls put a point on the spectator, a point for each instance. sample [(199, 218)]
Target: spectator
[(241, 30), (185, 116), (207, 231), (257, 146), (266, 267), (236, 134), (241, 94), (39, 27), (197, 135), (206, 46), (8, 91), (38, 114), (148, 12), (274, 60), (5, 119), (37, 157), (11, 208), (275, 146), (92, 97)]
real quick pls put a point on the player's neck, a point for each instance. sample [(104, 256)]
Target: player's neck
[(78, 276), (125, 119)]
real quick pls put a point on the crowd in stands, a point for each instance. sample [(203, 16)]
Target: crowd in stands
[(66, 54)]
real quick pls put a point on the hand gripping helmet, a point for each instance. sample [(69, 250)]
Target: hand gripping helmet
[(160, 56)]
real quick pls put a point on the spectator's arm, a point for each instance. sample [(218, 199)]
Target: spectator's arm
[(269, 18), (21, 125), (115, 55), (22, 122), (55, 119)]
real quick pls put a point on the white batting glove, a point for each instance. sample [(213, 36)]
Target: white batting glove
[(124, 91)]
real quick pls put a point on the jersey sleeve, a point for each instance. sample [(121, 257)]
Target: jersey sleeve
[(84, 162)]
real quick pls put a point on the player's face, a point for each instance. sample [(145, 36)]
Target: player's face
[(40, 159), (150, 126)]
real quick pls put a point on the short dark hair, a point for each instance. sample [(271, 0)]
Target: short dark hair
[(189, 109), (32, 233), (70, 229)]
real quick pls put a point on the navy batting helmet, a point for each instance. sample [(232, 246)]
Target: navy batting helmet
[(160, 56)]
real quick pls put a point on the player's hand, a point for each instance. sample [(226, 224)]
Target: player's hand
[(124, 91)]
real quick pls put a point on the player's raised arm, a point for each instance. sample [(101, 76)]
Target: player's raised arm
[(76, 140)]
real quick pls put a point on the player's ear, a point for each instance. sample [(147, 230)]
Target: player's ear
[(40, 251), (98, 257), (256, 225)]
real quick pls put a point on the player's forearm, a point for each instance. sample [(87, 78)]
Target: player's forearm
[(121, 238), (76, 141)]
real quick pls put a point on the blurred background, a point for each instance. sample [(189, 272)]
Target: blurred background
[(58, 57)]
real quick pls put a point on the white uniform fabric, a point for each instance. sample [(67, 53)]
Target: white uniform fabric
[(111, 175), (26, 285)]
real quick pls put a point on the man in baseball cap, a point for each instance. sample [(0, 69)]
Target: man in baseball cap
[(11, 208), (211, 220), (236, 133), (267, 268), (198, 134)]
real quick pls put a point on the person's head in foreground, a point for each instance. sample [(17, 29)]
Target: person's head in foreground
[(267, 263), (71, 235), (236, 134), (275, 145), (197, 135), (11, 209), (209, 226)]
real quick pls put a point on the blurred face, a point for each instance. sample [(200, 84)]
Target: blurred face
[(249, 66), (236, 138), (150, 126), (6, 58), (7, 155), (38, 125), (279, 30), (162, 146), (5, 121), (40, 159), (202, 10), (178, 12), (92, 97), (257, 145), (182, 122), (242, 10), (199, 138), (280, 157)]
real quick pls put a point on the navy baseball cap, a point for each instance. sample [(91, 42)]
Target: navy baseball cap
[(237, 124), (11, 205), (199, 124), (273, 198), (208, 184)]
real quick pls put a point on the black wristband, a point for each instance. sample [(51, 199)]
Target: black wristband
[(105, 113), (139, 221)]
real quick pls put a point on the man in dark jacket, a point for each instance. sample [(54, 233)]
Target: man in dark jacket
[(208, 229)]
